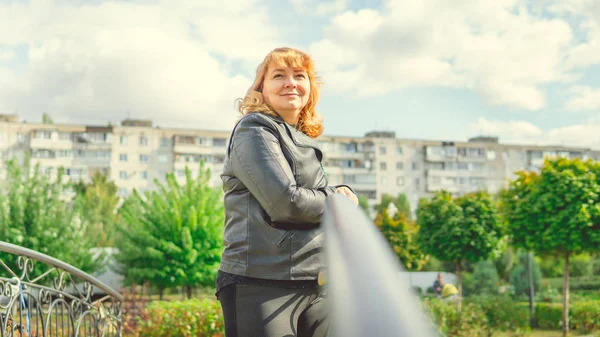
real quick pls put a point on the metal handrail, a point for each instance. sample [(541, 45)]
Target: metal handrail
[(22, 251), (368, 298)]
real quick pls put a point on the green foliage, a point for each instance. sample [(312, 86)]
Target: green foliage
[(505, 263), (400, 233), (548, 316), (579, 265), (519, 276), (556, 211), (576, 283), (503, 314), (97, 202), (363, 202), (400, 202), (458, 230), (47, 119), (469, 322), (35, 213), (173, 236), (188, 318), (485, 278)]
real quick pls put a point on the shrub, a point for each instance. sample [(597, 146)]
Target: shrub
[(519, 277), (485, 278), (470, 322), (585, 316), (548, 316), (502, 313), (190, 318)]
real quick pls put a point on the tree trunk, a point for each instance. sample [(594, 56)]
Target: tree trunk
[(188, 292), (161, 293), (459, 285), (531, 290), (566, 297)]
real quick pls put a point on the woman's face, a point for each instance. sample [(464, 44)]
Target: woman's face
[(286, 90)]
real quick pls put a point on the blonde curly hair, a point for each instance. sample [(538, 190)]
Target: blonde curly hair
[(309, 121)]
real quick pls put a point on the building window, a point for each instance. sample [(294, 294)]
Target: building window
[(143, 141), (180, 173), (399, 150), (383, 166), (64, 135), (491, 155), (349, 179), (415, 166), (123, 192), (20, 137), (43, 135), (417, 183), (123, 140), (163, 158), (399, 165), (143, 158), (144, 175), (219, 142), (164, 142), (400, 181), (382, 150), (123, 175), (123, 157), (384, 181)]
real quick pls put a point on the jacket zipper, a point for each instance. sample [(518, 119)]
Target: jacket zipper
[(288, 234)]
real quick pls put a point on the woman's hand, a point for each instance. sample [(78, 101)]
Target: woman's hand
[(347, 192)]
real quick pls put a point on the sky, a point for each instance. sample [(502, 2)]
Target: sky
[(525, 71)]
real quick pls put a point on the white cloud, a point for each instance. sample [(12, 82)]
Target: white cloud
[(319, 7), (7, 55), (496, 48), (157, 61), (584, 98), (522, 132)]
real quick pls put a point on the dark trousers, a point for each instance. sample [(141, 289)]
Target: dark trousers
[(258, 311)]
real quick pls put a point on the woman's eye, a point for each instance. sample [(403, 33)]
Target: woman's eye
[(301, 75), (277, 75)]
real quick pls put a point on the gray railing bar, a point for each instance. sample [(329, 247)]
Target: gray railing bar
[(367, 296), (17, 250)]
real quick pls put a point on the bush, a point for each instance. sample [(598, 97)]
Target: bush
[(575, 283), (585, 316), (548, 316), (471, 322), (503, 314), (190, 318), (485, 278), (469, 287)]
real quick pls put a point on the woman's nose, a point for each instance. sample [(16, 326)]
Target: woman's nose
[(290, 82)]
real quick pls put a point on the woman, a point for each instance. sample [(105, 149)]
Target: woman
[(275, 191)]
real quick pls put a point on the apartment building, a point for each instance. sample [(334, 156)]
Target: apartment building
[(136, 153)]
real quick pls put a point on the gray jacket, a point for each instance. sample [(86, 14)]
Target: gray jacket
[(275, 190)]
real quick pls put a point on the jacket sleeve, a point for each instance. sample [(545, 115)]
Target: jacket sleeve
[(258, 162)]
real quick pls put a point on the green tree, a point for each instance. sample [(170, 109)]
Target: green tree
[(400, 202), (459, 230), (97, 201), (47, 119), (36, 212), (173, 236), (555, 212), (400, 232), (519, 276), (363, 202), (485, 278)]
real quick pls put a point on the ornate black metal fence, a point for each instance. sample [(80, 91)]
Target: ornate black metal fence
[(60, 301)]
